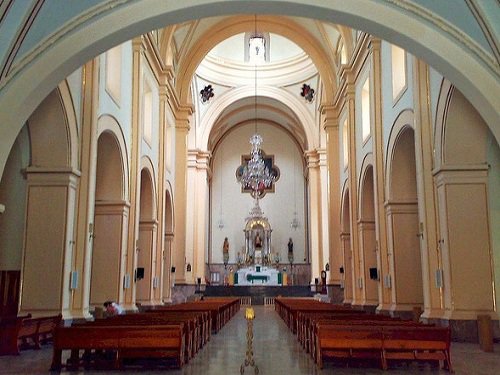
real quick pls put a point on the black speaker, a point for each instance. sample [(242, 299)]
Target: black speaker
[(373, 274), (341, 269), (316, 281), (140, 273), (198, 280), (172, 270)]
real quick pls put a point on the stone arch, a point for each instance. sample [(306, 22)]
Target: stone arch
[(168, 243), (148, 193), (52, 184), (405, 120), (402, 217), (108, 124), (54, 123), (232, 96), (345, 241), (110, 215), (366, 230), (234, 25), (467, 202), (465, 64), (145, 273)]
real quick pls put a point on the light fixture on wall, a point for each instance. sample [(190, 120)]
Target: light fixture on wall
[(256, 175)]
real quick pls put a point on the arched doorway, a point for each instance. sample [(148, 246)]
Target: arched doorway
[(168, 271), (51, 190), (403, 222), (145, 273), (466, 153), (367, 242), (110, 223), (345, 240)]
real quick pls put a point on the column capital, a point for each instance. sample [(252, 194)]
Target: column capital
[(199, 159), (374, 43), (312, 158)]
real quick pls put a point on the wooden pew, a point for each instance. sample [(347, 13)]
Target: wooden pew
[(384, 342), (417, 343), (348, 342), (188, 323), (24, 332), (124, 342)]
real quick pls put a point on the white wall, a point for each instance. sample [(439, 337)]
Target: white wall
[(278, 207)]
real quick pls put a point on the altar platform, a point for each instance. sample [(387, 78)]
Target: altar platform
[(258, 292), (258, 275)]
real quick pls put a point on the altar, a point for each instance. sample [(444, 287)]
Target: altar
[(257, 275)]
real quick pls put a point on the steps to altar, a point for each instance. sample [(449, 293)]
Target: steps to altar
[(257, 293)]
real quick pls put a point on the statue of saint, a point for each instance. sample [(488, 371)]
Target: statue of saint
[(290, 246), (257, 241), (225, 246)]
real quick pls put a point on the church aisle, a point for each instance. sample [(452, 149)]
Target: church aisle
[(276, 352)]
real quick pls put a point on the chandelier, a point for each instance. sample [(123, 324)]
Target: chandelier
[(256, 175)]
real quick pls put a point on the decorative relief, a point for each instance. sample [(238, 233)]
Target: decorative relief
[(307, 93)]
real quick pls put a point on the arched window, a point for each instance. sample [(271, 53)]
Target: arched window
[(398, 71)]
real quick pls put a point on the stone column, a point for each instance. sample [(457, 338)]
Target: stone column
[(48, 253), (357, 270), (82, 259), (180, 194), (198, 169), (147, 259), (424, 150), (384, 290), (167, 265), (404, 255), (368, 259), (325, 208), (134, 182), (467, 275), (347, 276), (108, 253), (314, 214), (331, 126), (161, 273)]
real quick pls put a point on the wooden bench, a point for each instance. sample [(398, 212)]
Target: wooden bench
[(164, 341), (384, 342), (26, 332), (190, 323), (417, 343)]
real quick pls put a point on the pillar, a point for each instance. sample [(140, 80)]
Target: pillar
[(331, 126), (197, 190), (147, 248), (368, 259), (467, 274), (134, 182), (180, 195), (347, 276), (384, 289), (82, 259), (424, 150), (357, 271), (314, 213), (108, 255), (49, 233)]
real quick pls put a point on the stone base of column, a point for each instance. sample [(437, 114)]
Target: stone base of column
[(335, 292), (465, 330)]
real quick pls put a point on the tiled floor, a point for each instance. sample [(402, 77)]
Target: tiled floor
[(276, 352)]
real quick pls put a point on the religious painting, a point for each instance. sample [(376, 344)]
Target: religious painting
[(264, 188)]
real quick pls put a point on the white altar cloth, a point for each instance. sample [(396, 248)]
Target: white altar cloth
[(250, 276)]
